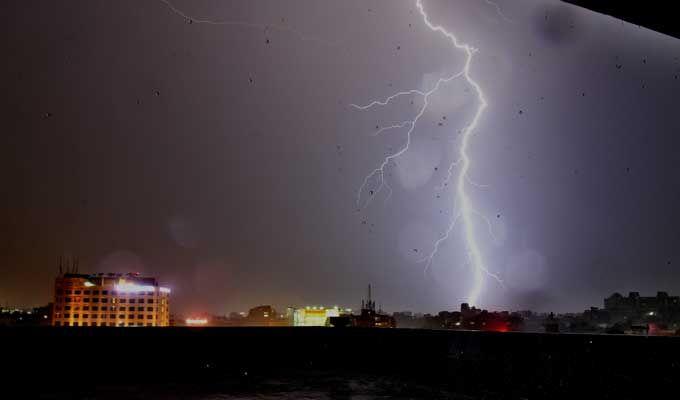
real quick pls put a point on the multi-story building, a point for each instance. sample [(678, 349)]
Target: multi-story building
[(110, 300)]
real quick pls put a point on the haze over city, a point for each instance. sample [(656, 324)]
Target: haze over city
[(214, 145)]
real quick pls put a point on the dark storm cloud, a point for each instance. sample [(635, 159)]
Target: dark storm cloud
[(225, 159)]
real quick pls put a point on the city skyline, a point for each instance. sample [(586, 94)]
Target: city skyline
[(215, 146)]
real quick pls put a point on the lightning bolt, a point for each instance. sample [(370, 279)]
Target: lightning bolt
[(190, 19), (465, 212), (499, 11)]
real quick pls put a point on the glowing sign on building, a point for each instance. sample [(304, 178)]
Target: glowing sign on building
[(125, 287)]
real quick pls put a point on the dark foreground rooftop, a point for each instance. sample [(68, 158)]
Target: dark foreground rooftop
[(281, 363)]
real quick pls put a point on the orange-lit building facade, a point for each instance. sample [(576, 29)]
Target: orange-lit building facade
[(112, 300)]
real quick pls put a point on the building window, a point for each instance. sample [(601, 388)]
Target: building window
[(95, 292), (149, 309), (112, 324), (86, 308), (84, 323), (150, 301), (121, 316), (60, 299), (121, 308), (149, 324), (68, 299), (95, 300), (67, 315), (75, 324), (94, 324), (95, 308), (86, 315), (76, 292), (68, 308), (122, 300), (104, 300), (76, 315), (131, 316), (60, 292), (140, 308), (140, 316), (131, 324), (132, 301), (58, 323), (149, 316), (140, 324), (105, 292), (69, 292), (86, 299), (95, 316), (86, 292), (58, 308), (112, 316)]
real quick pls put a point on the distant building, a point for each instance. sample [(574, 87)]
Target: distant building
[(370, 318), (316, 316), (636, 308), (110, 299), (264, 315), (38, 316)]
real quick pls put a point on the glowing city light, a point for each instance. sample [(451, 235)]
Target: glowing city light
[(164, 290), (89, 284), (196, 321)]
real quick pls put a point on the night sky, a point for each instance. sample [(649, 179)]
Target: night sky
[(226, 159)]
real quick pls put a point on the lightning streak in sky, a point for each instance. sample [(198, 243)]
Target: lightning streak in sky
[(465, 212), (266, 27)]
